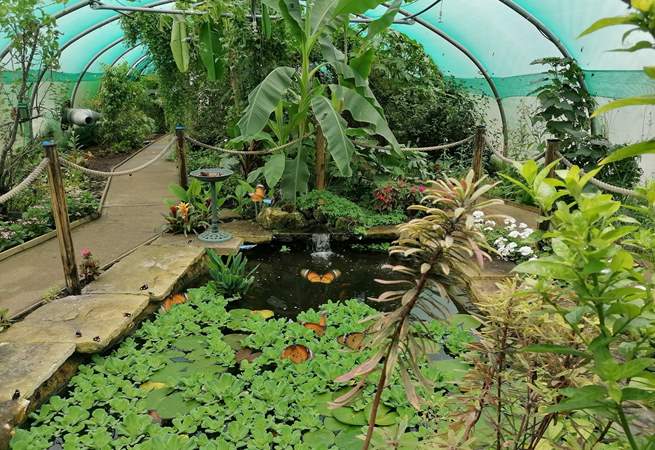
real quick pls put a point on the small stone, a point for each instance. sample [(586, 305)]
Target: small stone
[(277, 219)]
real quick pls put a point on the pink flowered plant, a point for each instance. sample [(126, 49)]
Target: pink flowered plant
[(89, 268)]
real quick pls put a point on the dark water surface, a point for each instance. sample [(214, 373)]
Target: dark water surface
[(280, 287)]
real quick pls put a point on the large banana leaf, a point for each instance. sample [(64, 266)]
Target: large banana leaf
[(362, 63), (295, 178), (267, 27), (379, 25), (356, 6), (274, 168), (320, 13), (363, 111), (263, 100), (180, 45), (211, 51), (292, 13), (335, 130)]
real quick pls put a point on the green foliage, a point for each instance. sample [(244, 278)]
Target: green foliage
[(566, 109), (601, 288), (642, 19), (182, 368), (342, 214), (124, 124), (230, 274), (422, 106)]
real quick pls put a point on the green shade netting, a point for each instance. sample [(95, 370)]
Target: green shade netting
[(502, 42)]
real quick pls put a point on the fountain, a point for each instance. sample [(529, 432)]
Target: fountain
[(321, 246)]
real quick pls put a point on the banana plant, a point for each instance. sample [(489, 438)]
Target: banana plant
[(291, 103)]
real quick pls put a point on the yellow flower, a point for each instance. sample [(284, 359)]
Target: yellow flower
[(183, 209)]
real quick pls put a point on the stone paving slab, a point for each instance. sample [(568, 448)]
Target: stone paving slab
[(88, 322), (247, 230), (230, 247), (25, 367), (154, 270)]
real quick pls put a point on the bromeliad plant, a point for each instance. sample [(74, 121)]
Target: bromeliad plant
[(310, 99), (438, 249), (597, 283), (231, 276)]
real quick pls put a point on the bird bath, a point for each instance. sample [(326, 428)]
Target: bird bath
[(212, 176)]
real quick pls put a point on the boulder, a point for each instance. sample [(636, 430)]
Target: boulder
[(277, 219)]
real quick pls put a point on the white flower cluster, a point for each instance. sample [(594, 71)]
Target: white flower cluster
[(509, 246)]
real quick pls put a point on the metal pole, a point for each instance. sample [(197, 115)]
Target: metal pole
[(181, 157), (60, 214), (478, 151)]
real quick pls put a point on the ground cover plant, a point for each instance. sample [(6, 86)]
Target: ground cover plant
[(199, 376)]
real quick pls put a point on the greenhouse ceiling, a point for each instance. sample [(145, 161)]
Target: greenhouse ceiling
[(489, 45)]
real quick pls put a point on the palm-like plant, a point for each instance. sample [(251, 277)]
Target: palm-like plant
[(302, 102), (438, 250)]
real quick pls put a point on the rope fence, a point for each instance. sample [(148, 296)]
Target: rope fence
[(20, 187), (601, 184), (418, 149), (239, 152), (98, 173)]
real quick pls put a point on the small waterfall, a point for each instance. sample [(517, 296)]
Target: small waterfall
[(321, 246)]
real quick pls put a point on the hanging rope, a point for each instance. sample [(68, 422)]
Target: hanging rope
[(417, 149), (98, 173), (601, 184), (239, 152), (507, 160), (20, 187)]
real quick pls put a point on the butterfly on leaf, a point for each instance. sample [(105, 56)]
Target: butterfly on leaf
[(318, 328), (175, 299), (326, 278), (296, 353), (354, 341), (259, 194)]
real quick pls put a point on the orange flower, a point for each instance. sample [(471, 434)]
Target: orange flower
[(183, 209)]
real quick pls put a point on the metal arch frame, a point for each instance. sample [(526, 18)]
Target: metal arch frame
[(145, 66), (545, 31), (137, 62), (60, 14), (476, 62), (84, 33), (123, 54), (88, 66)]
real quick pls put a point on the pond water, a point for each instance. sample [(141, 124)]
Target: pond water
[(291, 279)]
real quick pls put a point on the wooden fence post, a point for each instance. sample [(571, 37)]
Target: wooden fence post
[(181, 157), (60, 214), (478, 152), (552, 150), (321, 159)]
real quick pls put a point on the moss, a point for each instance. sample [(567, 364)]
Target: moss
[(341, 214)]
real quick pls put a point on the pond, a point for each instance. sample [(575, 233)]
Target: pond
[(291, 279), (216, 374)]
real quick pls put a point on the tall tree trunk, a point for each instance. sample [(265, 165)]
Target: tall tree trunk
[(321, 159)]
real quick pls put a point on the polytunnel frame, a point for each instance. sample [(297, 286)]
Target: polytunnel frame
[(414, 17)]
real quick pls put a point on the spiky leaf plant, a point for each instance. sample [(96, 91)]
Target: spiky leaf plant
[(440, 251)]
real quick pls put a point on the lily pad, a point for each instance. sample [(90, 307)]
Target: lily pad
[(151, 401), (348, 416), (348, 440), (246, 354), (319, 439), (384, 417), (190, 343), (174, 405), (263, 313), (234, 340), (170, 374), (332, 424), (322, 404), (466, 321), (451, 370), (153, 385)]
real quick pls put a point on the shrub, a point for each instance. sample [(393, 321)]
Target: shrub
[(124, 124), (231, 277)]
